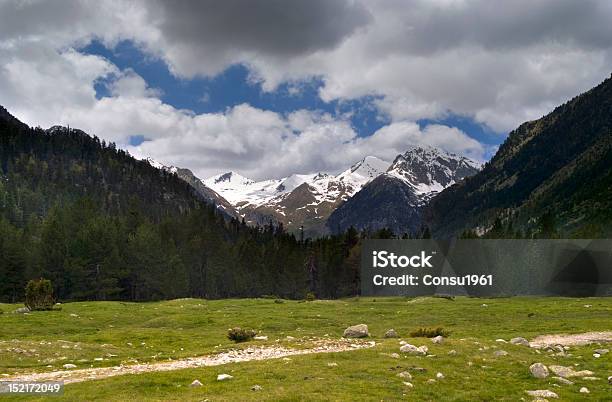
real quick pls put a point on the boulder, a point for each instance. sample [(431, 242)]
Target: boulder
[(413, 350), (405, 375), (356, 331), (439, 376), (584, 390), (438, 339), (567, 372), (601, 351), (223, 377), (538, 370), (22, 310), (391, 334)]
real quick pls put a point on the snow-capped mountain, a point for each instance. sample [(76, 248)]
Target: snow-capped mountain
[(429, 170), (372, 193), (395, 199), (297, 200)]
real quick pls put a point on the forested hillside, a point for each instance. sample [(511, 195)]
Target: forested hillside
[(103, 225), (552, 177)]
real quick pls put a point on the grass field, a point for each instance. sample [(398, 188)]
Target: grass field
[(124, 333)]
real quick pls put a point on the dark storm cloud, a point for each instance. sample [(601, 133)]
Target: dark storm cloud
[(270, 27)]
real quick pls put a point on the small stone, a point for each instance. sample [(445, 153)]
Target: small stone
[(610, 380), (424, 349), (596, 355), (538, 370), (500, 353), (332, 364), (69, 366), (98, 359), (562, 380), (195, 383), (223, 377), (431, 381), (519, 341), (73, 315), (405, 375), (452, 352), (261, 338), (256, 387), (356, 331), (601, 351), (395, 355), (439, 376), (408, 384), (438, 339), (584, 390), (501, 340), (22, 310), (391, 334), (542, 393)]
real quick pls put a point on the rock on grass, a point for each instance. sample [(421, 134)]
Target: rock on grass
[(356, 331), (542, 393), (519, 341), (391, 334), (538, 370)]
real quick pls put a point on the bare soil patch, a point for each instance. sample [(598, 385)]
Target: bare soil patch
[(233, 356)]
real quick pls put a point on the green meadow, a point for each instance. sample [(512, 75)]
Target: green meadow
[(98, 334)]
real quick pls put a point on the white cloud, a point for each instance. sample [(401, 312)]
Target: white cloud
[(500, 63)]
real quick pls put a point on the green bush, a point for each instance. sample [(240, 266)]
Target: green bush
[(429, 332), (39, 295), (240, 335), (310, 296)]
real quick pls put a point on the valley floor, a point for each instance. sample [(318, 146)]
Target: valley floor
[(101, 337)]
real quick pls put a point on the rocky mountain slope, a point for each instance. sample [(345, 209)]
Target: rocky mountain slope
[(551, 175), (205, 192), (395, 199)]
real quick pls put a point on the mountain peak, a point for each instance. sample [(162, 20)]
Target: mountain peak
[(428, 169)]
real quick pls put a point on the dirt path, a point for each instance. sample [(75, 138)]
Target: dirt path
[(234, 356), (572, 339)]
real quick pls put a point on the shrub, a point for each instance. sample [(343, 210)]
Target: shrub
[(310, 296), (39, 295), (429, 332), (240, 335)]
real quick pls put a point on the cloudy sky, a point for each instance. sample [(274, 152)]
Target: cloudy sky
[(272, 87)]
